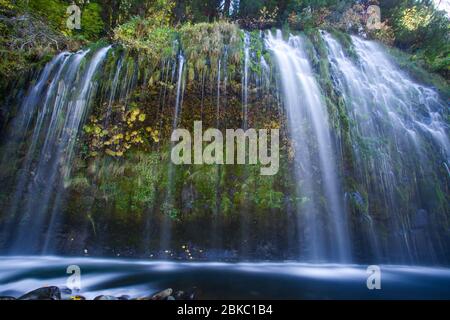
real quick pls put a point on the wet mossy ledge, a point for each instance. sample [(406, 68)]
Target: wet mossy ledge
[(122, 184)]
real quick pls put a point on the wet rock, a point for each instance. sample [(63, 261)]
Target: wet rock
[(102, 297), (7, 298), (159, 295), (170, 298), (46, 293), (66, 293), (188, 295), (191, 294), (162, 294), (178, 295), (124, 297)]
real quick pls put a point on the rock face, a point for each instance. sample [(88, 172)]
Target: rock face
[(45, 293)]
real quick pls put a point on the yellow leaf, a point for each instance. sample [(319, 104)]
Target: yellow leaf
[(110, 152)]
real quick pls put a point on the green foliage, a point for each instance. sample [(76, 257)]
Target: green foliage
[(142, 34), (92, 25), (129, 184), (26, 40), (425, 32), (53, 11), (266, 196), (203, 44)]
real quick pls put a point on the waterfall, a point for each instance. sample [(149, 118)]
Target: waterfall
[(364, 154), (245, 80), (166, 233), (59, 106), (113, 90), (179, 89), (310, 132), (400, 120)]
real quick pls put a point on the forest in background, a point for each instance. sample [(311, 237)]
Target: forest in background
[(32, 31)]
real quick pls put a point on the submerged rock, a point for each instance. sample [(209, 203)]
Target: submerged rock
[(46, 293)]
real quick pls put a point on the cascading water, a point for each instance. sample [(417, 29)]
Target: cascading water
[(386, 105), (310, 132), (59, 108), (166, 233), (113, 90), (245, 80), (398, 141)]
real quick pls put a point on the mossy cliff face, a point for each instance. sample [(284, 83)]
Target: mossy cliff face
[(124, 195)]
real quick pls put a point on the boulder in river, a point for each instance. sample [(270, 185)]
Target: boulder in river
[(186, 295), (161, 295), (179, 295), (45, 293)]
